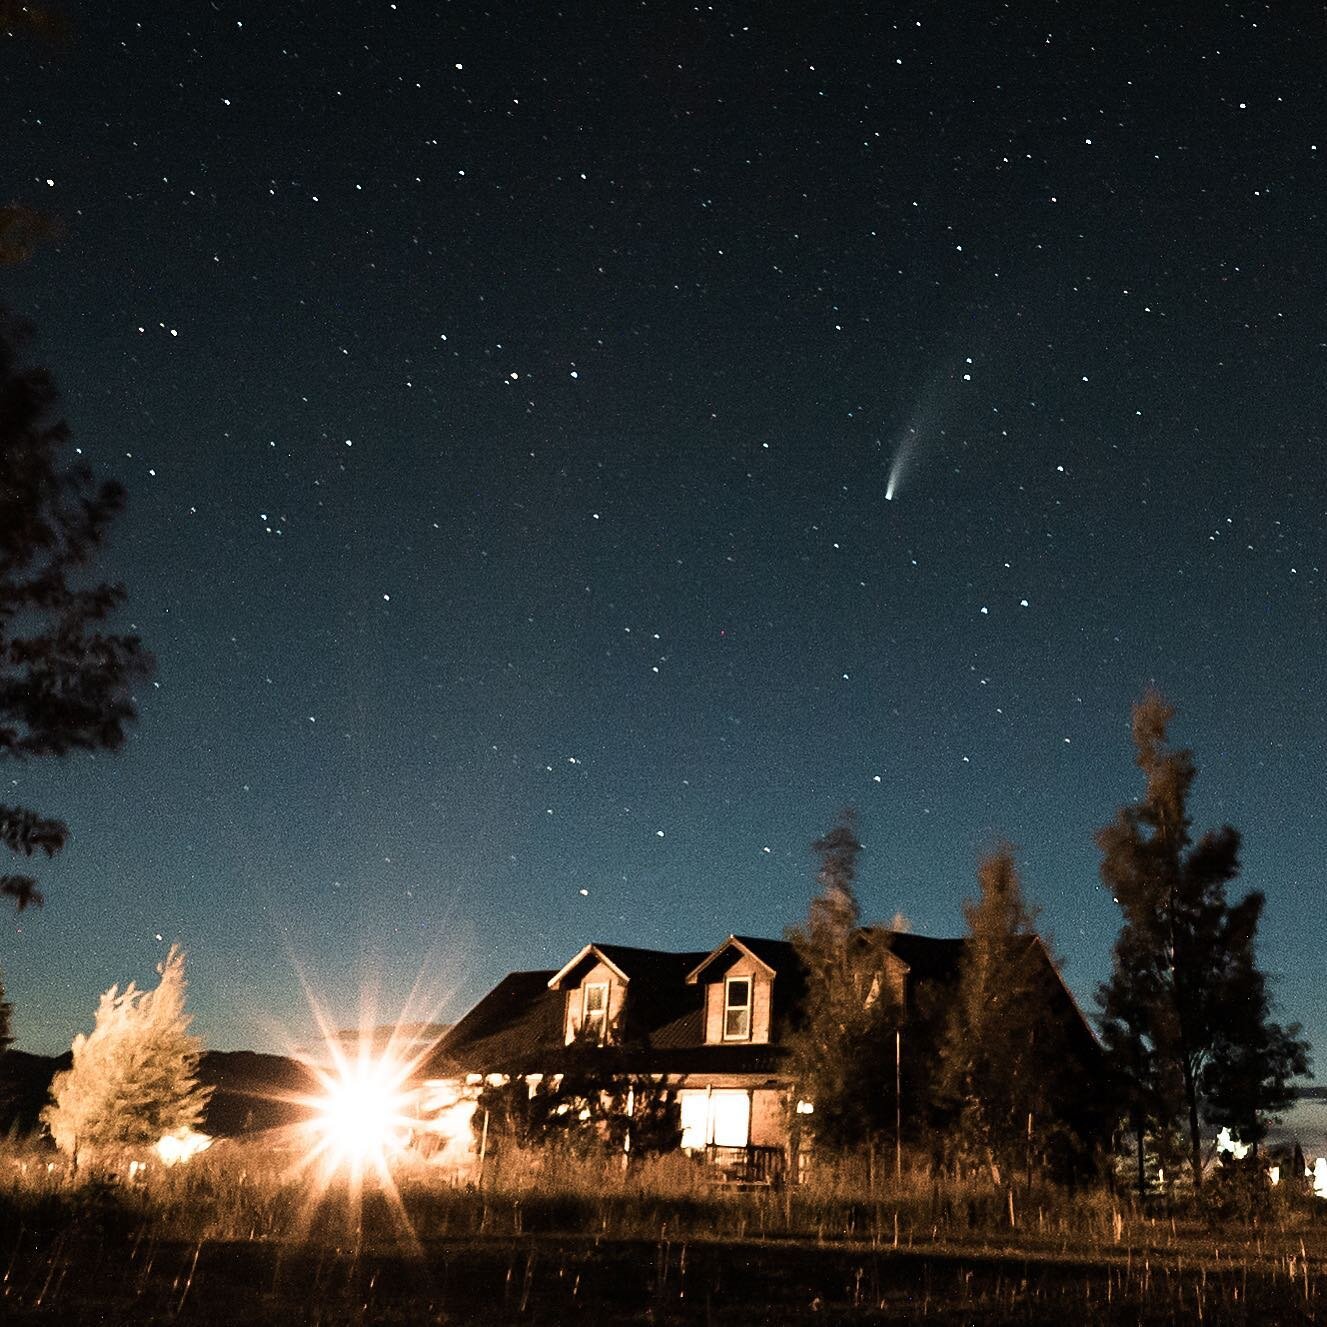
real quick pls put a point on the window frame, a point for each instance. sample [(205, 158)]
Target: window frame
[(597, 1018), (748, 1008)]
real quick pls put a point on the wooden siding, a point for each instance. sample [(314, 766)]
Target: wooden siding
[(761, 990), (599, 974), (769, 1117)]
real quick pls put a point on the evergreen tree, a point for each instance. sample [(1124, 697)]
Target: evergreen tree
[(64, 678), (6, 1022), (1185, 1009), (135, 1075), (842, 1051), (999, 1060)]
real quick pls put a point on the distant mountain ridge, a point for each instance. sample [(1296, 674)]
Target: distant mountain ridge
[(253, 1091)]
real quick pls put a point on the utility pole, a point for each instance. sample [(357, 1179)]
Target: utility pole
[(898, 1105)]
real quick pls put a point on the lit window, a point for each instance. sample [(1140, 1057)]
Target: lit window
[(594, 1009), (737, 1009)]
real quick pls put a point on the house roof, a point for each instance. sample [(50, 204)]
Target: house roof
[(518, 1016), (928, 958), (776, 955), (627, 961), (518, 1027)]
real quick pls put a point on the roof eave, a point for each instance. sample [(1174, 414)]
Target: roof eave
[(694, 975)]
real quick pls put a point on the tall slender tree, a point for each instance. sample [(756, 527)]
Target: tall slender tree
[(1185, 1001), (65, 677), (842, 1051), (1000, 1051)]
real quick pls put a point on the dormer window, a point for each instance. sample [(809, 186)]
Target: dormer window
[(594, 1010), (737, 1009)]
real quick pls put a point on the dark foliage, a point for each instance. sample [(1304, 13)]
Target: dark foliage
[(1185, 1012), (842, 1050), (594, 1105), (65, 677)]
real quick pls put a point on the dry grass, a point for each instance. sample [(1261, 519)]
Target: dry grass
[(545, 1237)]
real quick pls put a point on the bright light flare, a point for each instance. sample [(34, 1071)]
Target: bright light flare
[(361, 1121)]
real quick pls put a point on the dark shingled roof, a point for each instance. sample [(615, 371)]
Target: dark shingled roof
[(516, 1018), (518, 1026), (928, 958)]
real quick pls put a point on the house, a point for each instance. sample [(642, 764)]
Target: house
[(711, 1025)]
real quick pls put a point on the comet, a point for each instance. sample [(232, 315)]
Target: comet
[(902, 455)]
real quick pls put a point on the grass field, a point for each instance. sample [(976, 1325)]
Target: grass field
[(235, 1240)]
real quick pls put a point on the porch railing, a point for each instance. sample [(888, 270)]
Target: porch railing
[(746, 1165)]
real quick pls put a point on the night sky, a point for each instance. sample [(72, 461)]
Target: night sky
[(508, 399)]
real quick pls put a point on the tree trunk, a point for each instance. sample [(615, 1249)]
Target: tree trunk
[(1195, 1135)]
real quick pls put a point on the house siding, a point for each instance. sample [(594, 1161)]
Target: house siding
[(761, 992), (769, 1117), (599, 974)]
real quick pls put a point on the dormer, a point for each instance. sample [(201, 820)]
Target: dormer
[(595, 996), (738, 990)]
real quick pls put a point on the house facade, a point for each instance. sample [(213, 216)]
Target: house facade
[(710, 1025)]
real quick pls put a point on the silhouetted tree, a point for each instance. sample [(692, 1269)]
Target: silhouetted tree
[(596, 1103), (1185, 1009), (1248, 1079), (134, 1077), (6, 1022), (841, 1051), (65, 678)]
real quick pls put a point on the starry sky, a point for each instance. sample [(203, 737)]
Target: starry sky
[(573, 451)]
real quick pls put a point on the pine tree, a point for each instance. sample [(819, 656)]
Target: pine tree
[(134, 1076), (64, 678), (842, 1052), (1185, 1009), (999, 1057)]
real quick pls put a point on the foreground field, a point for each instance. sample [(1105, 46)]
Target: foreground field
[(227, 1244)]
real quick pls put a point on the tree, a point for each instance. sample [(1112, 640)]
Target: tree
[(1000, 1055), (135, 1075), (6, 1022), (1185, 1009), (65, 679), (842, 1050), (1248, 1078)]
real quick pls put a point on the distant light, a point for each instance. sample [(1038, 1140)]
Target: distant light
[(181, 1145)]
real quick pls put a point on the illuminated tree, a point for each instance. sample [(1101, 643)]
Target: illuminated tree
[(998, 1086), (134, 1076), (65, 678), (842, 1050), (1185, 1010)]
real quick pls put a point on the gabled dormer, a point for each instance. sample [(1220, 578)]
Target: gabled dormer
[(595, 990), (737, 983)]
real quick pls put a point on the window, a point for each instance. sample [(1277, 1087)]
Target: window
[(718, 1116), (594, 1009), (737, 1009)]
